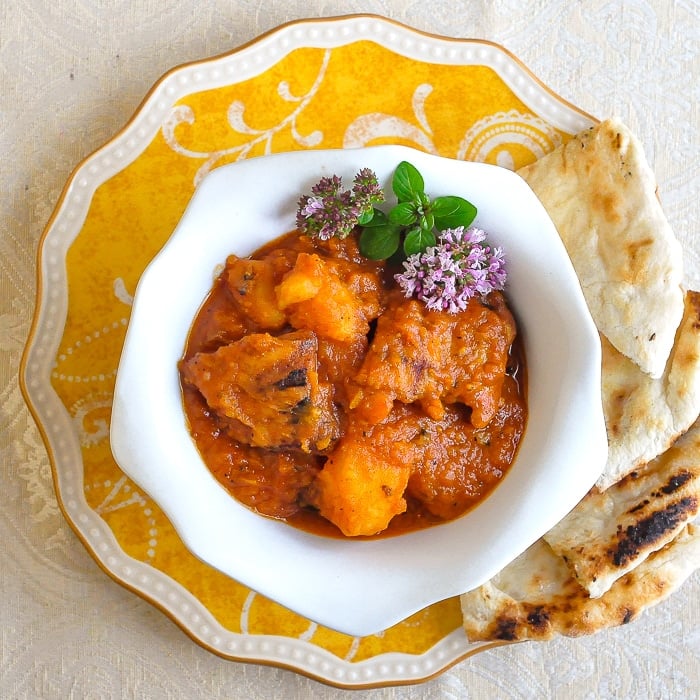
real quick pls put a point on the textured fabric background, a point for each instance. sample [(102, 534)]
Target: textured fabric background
[(71, 74)]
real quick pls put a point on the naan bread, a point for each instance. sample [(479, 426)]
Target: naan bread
[(630, 542), (536, 597), (601, 195), (608, 534), (643, 416)]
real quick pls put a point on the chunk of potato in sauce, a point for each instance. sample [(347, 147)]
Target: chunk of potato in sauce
[(317, 393)]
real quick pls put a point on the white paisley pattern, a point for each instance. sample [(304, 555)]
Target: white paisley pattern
[(72, 73), (363, 130), (490, 135), (237, 121)]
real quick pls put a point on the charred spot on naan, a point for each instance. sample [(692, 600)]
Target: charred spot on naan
[(511, 608), (652, 530), (609, 533)]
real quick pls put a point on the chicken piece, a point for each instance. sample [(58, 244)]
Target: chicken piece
[(266, 481), (334, 298), (432, 358), (457, 464), (252, 286), (219, 322), (266, 390)]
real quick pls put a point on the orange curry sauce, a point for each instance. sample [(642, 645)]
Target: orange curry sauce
[(317, 393)]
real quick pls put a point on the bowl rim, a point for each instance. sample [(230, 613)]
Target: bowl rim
[(338, 602)]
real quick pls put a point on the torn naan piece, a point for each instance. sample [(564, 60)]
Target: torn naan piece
[(536, 597), (643, 416), (610, 533), (600, 193)]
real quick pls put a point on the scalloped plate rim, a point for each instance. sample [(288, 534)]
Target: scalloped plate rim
[(42, 341)]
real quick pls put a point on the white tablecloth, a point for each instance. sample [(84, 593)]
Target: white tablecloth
[(72, 72)]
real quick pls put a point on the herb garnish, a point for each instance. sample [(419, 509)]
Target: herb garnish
[(460, 266), (443, 271), (414, 218), (331, 211)]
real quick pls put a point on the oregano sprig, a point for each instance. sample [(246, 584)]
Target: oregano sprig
[(414, 220), (461, 265), (445, 263), (330, 211)]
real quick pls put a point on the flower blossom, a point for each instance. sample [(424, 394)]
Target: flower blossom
[(331, 211), (460, 266), (366, 189)]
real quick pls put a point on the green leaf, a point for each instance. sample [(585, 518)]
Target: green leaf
[(403, 214), (427, 221), (379, 218), (407, 182), (380, 242), (366, 217), (452, 211), (422, 199), (417, 240)]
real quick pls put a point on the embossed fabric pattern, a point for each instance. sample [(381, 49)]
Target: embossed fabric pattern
[(72, 74)]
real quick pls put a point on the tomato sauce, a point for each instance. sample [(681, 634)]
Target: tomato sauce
[(316, 393)]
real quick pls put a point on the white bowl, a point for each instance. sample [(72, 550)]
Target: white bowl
[(361, 587)]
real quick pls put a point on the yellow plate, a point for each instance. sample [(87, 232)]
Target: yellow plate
[(344, 82)]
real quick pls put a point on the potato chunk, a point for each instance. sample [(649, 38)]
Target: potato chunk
[(361, 486), (361, 491), (334, 298), (267, 392)]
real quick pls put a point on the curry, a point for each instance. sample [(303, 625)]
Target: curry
[(318, 393)]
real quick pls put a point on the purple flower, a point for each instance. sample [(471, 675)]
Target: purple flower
[(327, 186), (331, 211), (460, 266), (313, 205), (366, 189)]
